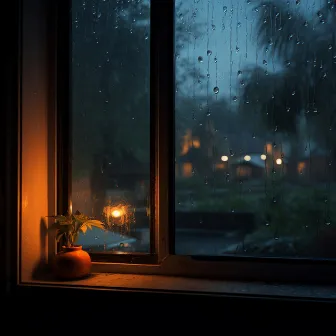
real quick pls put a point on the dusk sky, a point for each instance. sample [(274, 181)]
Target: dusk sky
[(228, 30)]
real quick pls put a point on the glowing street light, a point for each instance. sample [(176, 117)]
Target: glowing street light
[(116, 213), (278, 161), (247, 157), (224, 158), (263, 157)]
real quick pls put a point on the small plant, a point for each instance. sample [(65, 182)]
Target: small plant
[(68, 227)]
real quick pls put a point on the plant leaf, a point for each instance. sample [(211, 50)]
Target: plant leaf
[(96, 223), (81, 218), (83, 228), (59, 236), (68, 222), (59, 218), (54, 226)]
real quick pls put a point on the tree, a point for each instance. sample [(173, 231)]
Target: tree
[(110, 79), (305, 87), (111, 70)]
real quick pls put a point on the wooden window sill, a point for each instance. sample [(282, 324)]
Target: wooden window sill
[(193, 286)]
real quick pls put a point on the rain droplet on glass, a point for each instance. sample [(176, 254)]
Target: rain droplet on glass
[(216, 89)]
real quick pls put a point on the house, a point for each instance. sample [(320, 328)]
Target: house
[(121, 179), (248, 167), (314, 166), (218, 154)]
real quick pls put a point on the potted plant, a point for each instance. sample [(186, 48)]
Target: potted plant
[(72, 262)]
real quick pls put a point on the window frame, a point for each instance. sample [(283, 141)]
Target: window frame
[(162, 103)]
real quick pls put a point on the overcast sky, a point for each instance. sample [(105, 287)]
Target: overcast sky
[(229, 32)]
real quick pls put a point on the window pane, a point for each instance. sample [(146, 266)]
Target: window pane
[(110, 121), (255, 128)]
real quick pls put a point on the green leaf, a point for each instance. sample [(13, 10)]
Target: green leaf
[(95, 223), (81, 217), (59, 236), (83, 228), (68, 222), (59, 218)]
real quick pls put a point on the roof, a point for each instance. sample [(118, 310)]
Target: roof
[(190, 156), (255, 161), (246, 142), (126, 163)]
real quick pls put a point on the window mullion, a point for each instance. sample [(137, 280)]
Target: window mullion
[(162, 114)]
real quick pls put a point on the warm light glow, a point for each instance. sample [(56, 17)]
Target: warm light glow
[(224, 158), (187, 169), (186, 142), (263, 157), (116, 213), (247, 157), (196, 143), (244, 171), (70, 208), (278, 161), (121, 215), (269, 148), (301, 167)]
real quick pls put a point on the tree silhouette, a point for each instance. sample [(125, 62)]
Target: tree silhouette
[(111, 71), (305, 86)]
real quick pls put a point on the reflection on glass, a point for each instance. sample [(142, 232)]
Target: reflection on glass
[(256, 87), (110, 126)]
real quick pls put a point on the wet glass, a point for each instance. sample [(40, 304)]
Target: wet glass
[(111, 122), (255, 128)]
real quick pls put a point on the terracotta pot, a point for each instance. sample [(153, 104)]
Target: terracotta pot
[(72, 263)]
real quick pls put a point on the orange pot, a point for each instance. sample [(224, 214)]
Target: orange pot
[(72, 263)]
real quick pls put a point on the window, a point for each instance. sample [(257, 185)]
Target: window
[(230, 89), (261, 74), (111, 122)]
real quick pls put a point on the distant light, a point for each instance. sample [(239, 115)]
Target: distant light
[(224, 158), (278, 161), (116, 213), (263, 157), (247, 157)]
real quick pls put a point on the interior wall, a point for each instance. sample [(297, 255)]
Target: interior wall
[(37, 142)]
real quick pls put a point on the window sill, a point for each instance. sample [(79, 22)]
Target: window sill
[(157, 283)]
